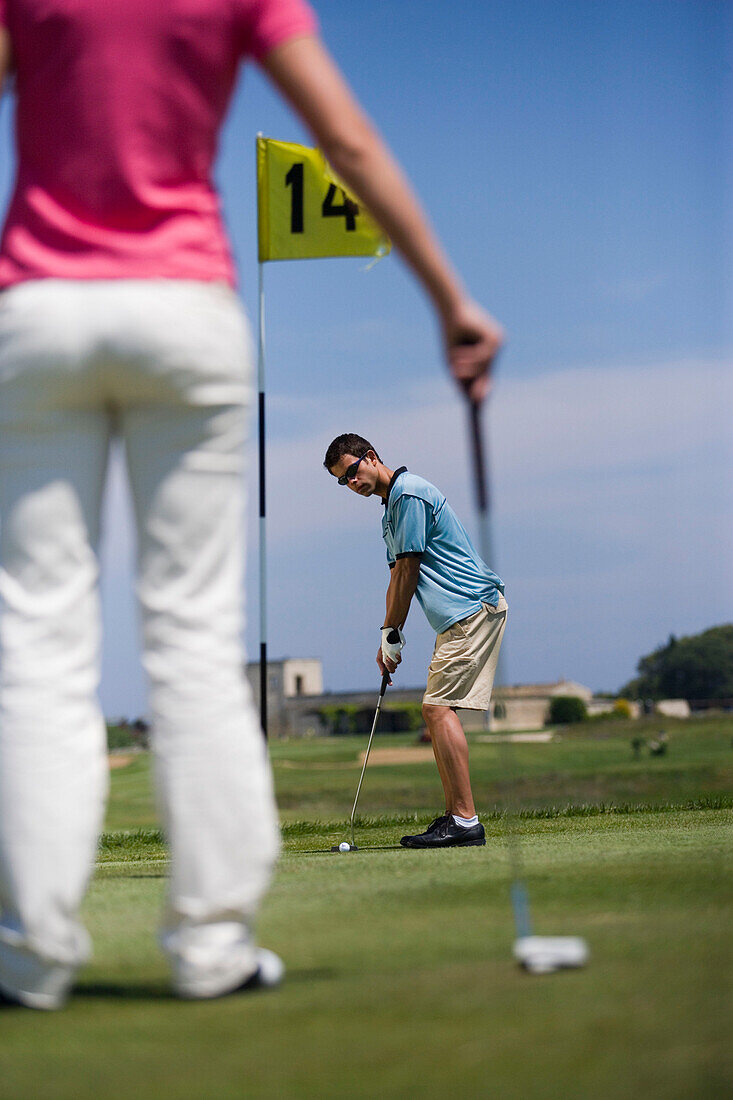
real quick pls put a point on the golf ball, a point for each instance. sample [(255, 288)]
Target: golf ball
[(344, 847)]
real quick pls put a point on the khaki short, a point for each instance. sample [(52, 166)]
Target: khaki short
[(463, 667)]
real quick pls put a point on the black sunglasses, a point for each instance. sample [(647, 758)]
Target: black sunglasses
[(351, 470)]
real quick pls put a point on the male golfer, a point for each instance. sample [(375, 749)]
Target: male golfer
[(431, 556)]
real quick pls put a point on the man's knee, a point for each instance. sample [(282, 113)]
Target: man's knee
[(433, 713)]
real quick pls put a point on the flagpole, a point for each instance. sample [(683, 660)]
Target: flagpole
[(285, 233), (263, 530)]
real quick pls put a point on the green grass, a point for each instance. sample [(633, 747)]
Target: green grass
[(400, 978), (586, 766)]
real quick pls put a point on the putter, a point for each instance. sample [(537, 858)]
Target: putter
[(353, 846), (536, 954)]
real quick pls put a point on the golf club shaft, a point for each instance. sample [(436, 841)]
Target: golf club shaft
[(383, 688), (519, 896)]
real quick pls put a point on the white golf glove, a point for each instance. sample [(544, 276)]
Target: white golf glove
[(392, 642)]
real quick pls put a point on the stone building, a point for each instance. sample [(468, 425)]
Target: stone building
[(289, 680), (525, 706), (295, 699)]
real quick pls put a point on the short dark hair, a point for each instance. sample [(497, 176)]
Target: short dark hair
[(348, 444)]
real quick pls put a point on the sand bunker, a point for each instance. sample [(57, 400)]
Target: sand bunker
[(417, 755), (120, 760)]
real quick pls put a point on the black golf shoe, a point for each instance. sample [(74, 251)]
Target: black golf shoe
[(430, 829), (444, 833)]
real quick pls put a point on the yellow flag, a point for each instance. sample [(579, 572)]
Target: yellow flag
[(305, 212)]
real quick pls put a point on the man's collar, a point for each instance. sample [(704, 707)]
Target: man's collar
[(395, 475)]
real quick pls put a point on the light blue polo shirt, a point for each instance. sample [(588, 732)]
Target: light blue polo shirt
[(454, 581)]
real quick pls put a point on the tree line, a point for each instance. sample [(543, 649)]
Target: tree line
[(697, 667)]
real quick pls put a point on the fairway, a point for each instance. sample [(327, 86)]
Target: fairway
[(400, 979)]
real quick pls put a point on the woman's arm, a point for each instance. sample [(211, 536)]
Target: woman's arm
[(5, 56), (303, 70)]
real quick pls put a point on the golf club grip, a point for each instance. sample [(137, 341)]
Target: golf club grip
[(385, 681), (479, 465)]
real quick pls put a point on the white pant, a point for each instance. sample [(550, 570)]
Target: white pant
[(167, 366)]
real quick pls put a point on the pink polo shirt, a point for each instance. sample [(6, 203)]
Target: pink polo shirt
[(119, 107)]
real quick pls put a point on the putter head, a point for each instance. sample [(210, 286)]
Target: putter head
[(338, 848), (545, 954)]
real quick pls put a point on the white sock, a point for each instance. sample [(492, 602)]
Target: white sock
[(465, 822)]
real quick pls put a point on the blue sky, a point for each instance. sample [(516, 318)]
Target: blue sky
[(574, 158)]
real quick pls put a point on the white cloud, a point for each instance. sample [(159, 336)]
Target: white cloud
[(570, 438)]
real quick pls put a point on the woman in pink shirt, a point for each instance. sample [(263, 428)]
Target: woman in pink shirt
[(118, 318)]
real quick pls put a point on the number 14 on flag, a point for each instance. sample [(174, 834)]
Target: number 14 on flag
[(304, 211)]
